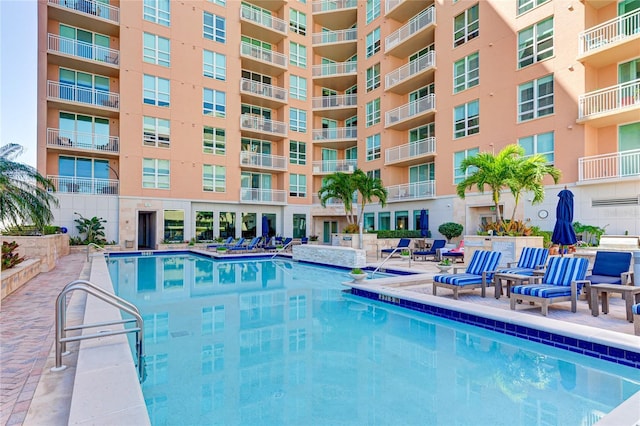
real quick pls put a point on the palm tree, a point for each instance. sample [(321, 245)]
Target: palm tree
[(369, 188), (24, 193), (339, 186)]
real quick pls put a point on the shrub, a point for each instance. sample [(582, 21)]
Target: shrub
[(351, 228), (92, 228), (9, 258), (589, 233), (357, 271), (546, 236), (450, 230), (397, 233)]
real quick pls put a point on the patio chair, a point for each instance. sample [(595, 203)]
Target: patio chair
[(404, 243), (432, 251), (611, 267), (562, 281), (479, 273), (237, 244), (304, 240), (635, 309), (454, 254), (531, 259), (253, 245), (224, 244)]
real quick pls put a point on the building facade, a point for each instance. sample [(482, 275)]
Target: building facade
[(198, 119)]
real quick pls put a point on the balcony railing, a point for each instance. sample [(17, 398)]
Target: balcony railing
[(91, 7), (259, 124), (82, 141), (410, 150), (411, 109), (609, 99), (607, 166), (614, 30), (422, 20), (89, 186), (411, 191), (335, 69), (332, 5), (265, 55), (409, 70), (266, 161), (257, 195), (262, 89), (333, 166), (315, 199), (329, 37), (83, 50), (336, 101), (339, 133), (71, 93), (264, 19)]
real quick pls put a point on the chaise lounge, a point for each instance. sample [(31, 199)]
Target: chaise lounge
[(433, 250), (404, 243), (531, 259), (478, 274)]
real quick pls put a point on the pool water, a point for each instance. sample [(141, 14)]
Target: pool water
[(279, 343)]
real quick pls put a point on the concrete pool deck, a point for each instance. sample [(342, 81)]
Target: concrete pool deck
[(28, 329)]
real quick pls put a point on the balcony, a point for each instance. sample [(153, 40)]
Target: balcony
[(250, 160), (411, 76), (80, 99), (83, 56), (87, 186), (100, 17), (411, 191), (337, 107), (272, 5), (326, 167), (338, 138), (614, 166), (611, 41), (403, 10), (335, 14), (412, 153), (609, 106), (262, 128), (413, 36), (261, 94), (333, 206), (337, 76), (260, 196), (336, 45), (262, 61), (412, 114), (84, 142), (261, 25)]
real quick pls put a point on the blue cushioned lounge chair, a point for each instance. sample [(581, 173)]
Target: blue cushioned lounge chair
[(433, 250), (251, 246), (531, 259), (404, 243), (635, 309), (237, 244), (224, 244), (479, 273), (562, 281), (611, 267)]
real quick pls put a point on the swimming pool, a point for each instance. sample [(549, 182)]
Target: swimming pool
[(275, 342)]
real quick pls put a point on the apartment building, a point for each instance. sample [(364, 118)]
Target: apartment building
[(199, 119)]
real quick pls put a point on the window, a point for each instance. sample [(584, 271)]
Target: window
[(227, 224), (422, 173), (458, 174), (214, 178), (297, 185), (155, 173), (535, 98), (204, 232), (384, 221), (466, 73), (214, 27), (297, 120), (535, 43), (85, 169), (214, 103), (373, 174), (85, 131), (156, 132), (629, 140), (373, 147), (373, 42), (156, 50), (297, 55), (369, 222), (466, 26), (298, 22), (466, 119), (214, 65), (402, 219), (173, 231), (542, 143), (297, 152), (373, 10), (373, 77), (525, 5), (156, 91), (218, 2), (214, 140), (157, 11), (351, 153), (373, 112), (299, 231), (298, 87)]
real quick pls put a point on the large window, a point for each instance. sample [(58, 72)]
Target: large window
[(297, 55), (373, 112), (214, 103), (174, 225), (298, 22), (402, 219), (297, 152), (466, 119), (297, 120), (298, 87), (458, 174), (84, 131), (214, 27), (535, 43), (157, 132), (214, 65), (83, 87), (157, 11), (535, 98), (227, 223), (369, 222), (373, 147), (297, 185), (299, 226), (466, 26), (373, 10), (157, 50), (526, 5), (214, 178), (373, 42), (83, 171), (204, 226), (373, 77), (157, 91), (629, 140), (466, 72), (542, 144), (384, 221), (214, 140), (155, 173)]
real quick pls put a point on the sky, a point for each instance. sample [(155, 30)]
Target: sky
[(18, 74)]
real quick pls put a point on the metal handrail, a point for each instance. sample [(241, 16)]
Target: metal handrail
[(282, 249), (389, 257), (94, 245), (113, 300)]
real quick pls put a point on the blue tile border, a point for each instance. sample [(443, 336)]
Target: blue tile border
[(595, 350)]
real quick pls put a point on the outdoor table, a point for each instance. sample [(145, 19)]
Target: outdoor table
[(629, 294), (511, 279)]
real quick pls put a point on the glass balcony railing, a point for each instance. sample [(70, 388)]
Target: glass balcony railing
[(411, 109), (92, 8), (264, 55), (335, 69), (609, 166), (333, 166), (407, 71), (336, 101), (609, 99), (257, 195), (262, 89), (330, 37), (81, 49), (263, 161), (264, 19), (339, 133), (94, 142), (411, 150), (422, 20), (71, 93), (411, 191), (88, 186), (332, 5), (614, 30)]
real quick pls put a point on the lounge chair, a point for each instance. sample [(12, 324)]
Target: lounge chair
[(562, 281), (286, 244), (404, 243), (253, 245), (432, 251), (304, 240), (224, 244), (478, 273), (237, 245), (456, 253), (611, 267), (635, 309), (531, 259)]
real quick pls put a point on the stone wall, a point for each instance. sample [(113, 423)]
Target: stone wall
[(16, 277), (47, 248), (510, 247), (331, 255)]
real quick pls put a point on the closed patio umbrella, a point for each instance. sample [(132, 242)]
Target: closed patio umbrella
[(265, 226), (424, 223), (563, 233)]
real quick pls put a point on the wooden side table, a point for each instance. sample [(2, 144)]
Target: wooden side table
[(629, 294), (511, 279)]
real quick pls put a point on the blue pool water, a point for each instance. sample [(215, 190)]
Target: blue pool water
[(277, 343)]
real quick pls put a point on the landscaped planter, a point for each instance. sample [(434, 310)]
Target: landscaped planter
[(47, 248), (16, 277)]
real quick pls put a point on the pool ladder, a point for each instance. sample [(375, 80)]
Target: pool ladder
[(111, 299), (282, 249)]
